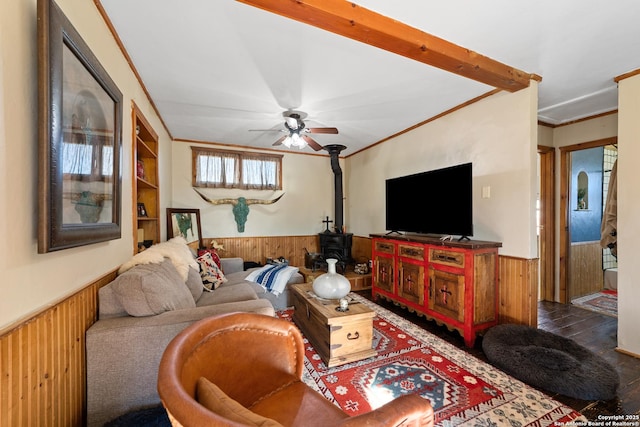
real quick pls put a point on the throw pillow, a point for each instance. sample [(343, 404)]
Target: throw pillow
[(212, 275), (211, 397), (214, 255), (149, 289)]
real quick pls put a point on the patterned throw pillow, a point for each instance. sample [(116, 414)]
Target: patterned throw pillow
[(214, 255), (212, 276)]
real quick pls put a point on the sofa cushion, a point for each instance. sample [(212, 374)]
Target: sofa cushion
[(109, 304), (194, 283), (211, 397), (225, 294), (211, 274), (149, 289)]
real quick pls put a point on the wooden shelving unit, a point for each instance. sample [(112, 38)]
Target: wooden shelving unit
[(145, 176)]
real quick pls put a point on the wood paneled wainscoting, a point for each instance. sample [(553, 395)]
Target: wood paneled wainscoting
[(518, 291), (258, 249), (42, 363), (585, 269)]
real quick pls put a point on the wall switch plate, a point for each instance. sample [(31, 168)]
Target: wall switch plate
[(486, 192)]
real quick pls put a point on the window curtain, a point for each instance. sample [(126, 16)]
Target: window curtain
[(260, 172), (236, 169), (216, 169)]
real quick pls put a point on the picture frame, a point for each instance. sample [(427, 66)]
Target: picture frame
[(79, 139), (185, 223), (142, 210)]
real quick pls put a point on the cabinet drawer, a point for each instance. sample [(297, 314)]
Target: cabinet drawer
[(413, 252), (385, 247), (446, 257)]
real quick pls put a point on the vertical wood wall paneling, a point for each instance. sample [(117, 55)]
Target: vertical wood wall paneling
[(518, 291), (361, 249), (258, 249), (42, 363), (546, 242), (585, 269)]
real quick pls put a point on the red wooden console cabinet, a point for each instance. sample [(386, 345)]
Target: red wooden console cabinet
[(454, 283)]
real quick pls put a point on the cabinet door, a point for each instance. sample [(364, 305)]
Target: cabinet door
[(411, 281), (446, 293), (384, 273)]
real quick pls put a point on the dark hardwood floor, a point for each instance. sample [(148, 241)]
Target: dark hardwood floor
[(594, 331)]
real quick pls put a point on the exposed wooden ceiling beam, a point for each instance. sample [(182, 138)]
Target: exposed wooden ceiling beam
[(355, 22)]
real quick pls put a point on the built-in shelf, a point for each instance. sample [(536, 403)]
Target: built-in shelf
[(146, 229)]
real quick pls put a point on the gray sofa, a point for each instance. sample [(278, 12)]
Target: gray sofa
[(139, 314)]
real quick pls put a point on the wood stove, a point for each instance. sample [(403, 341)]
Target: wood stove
[(336, 244)]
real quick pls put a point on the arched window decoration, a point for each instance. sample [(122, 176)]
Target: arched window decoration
[(583, 191)]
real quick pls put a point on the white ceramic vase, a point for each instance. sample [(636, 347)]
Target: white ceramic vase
[(331, 285)]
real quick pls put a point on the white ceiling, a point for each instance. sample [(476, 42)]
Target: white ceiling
[(217, 68)]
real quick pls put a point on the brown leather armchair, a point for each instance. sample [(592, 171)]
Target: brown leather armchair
[(257, 361)]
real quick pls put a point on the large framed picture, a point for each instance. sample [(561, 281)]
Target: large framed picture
[(185, 223), (80, 134)]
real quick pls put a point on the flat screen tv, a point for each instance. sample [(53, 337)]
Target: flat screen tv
[(433, 202)]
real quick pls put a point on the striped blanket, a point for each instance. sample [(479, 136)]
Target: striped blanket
[(273, 278)]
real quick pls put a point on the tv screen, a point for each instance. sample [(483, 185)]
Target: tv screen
[(433, 202)]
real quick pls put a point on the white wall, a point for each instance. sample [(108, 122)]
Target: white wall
[(589, 130), (308, 198), (498, 134), (30, 281), (628, 209)]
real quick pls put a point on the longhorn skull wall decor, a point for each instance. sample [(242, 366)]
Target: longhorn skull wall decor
[(240, 206)]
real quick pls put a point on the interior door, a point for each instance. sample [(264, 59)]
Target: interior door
[(576, 261)]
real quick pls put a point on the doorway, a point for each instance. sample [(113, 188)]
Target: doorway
[(582, 194)]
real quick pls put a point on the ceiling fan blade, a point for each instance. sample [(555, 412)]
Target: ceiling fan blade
[(279, 141), (312, 143), (267, 130), (322, 130)]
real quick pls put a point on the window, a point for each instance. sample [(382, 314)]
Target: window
[(87, 156), (236, 169)]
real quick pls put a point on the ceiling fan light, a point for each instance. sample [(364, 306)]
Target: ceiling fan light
[(287, 142), (296, 141)]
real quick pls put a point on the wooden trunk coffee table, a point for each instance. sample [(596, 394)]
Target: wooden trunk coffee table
[(338, 337)]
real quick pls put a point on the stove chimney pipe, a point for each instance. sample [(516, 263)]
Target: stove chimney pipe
[(334, 153)]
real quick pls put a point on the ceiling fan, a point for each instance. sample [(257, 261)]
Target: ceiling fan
[(296, 131)]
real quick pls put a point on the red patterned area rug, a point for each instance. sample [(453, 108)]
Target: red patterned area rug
[(463, 390), (604, 302)]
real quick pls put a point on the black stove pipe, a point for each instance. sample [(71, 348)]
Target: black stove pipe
[(334, 153)]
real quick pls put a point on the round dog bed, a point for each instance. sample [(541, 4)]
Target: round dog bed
[(550, 362)]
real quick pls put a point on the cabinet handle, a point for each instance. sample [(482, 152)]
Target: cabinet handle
[(351, 336)]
